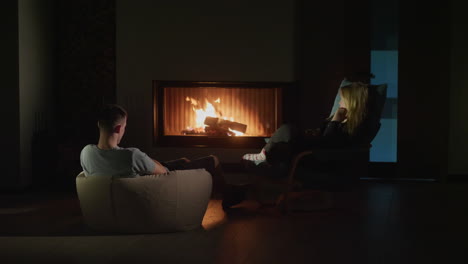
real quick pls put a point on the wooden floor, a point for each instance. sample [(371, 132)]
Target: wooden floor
[(393, 222)]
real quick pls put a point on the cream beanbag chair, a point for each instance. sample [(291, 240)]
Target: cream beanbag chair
[(174, 201)]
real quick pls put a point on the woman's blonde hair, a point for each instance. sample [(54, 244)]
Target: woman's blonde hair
[(355, 97)]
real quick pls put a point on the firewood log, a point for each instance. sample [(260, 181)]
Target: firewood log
[(225, 124)]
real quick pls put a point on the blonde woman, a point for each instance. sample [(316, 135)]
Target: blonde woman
[(346, 127)]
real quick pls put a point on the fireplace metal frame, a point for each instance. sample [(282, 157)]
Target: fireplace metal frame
[(159, 139)]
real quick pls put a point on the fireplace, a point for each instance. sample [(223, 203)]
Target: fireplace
[(216, 114)]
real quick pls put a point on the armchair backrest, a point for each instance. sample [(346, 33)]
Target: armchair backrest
[(376, 102)]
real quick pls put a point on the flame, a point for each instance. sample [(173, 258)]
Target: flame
[(201, 114), (193, 101), (209, 111)]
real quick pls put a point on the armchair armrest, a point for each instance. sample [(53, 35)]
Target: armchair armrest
[(292, 170)]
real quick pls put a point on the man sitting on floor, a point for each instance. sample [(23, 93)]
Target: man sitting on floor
[(107, 158)]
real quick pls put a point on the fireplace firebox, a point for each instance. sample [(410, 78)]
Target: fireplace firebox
[(216, 114)]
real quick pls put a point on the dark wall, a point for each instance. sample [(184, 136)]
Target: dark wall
[(206, 40), (424, 81), (26, 69), (332, 42), (458, 150), (35, 56), (9, 132), (85, 74), (384, 24)]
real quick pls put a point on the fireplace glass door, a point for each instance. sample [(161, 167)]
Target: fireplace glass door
[(217, 109)]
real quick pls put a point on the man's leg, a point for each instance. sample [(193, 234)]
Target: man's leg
[(177, 164), (209, 163)]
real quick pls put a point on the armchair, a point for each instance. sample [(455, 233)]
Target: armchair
[(329, 169), (175, 201), (333, 169)]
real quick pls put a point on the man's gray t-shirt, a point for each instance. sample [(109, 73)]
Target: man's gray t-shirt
[(121, 162)]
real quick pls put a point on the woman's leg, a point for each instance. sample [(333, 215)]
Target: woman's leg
[(284, 135)]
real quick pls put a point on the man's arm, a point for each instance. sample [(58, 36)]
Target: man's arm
[(159, 168), (144, 165)]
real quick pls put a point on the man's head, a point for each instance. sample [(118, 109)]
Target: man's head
[(112, 120)]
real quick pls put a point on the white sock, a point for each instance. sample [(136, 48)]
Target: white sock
[(255, 156)]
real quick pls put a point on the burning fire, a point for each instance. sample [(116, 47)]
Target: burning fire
[(208, 111), (237, 133)]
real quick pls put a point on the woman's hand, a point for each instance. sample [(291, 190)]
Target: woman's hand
[(340, 114)]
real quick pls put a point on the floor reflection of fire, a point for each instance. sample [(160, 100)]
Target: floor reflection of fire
[(219, 111)]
